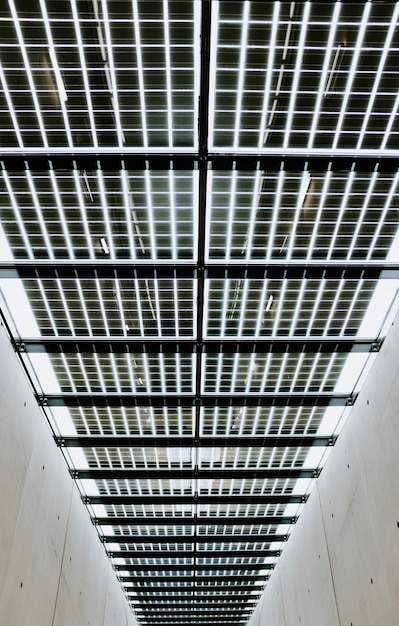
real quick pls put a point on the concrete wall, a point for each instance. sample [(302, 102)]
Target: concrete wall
[(53, 568), (340, 566)]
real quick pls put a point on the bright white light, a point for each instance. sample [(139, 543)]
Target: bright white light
[(269, 303)]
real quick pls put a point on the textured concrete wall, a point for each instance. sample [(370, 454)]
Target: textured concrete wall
[(340, 566), (53, 568)]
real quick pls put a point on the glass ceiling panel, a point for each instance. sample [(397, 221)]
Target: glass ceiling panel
[(100, 215), (198, 264), (95, 75), (304, 75)]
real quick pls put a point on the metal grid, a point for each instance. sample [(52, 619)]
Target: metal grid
[(199, 261)]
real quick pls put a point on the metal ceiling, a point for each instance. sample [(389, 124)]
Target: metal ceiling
[(199, 261)]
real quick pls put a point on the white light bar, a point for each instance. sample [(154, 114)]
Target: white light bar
[(140, 71)]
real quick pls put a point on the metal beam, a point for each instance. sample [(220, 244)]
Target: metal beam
[(192, 473), (123, 345), (217, 520), (272, 270), (192, 554), (236, 589), (247, 579), (172, 400), (189, 441), (177, 499), (196, 567), (271, 159), (190, 539)]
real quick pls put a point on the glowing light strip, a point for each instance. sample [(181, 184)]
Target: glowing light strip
[(10, 107), (150, 214), (19, 220), (84, 72), (28, 72), (241, 72), (115, 102), (260, 316), (85, 220), (377, 79), (232, 205), (319, 213), (324, 73), (105, 212), (268, 78), (352, 72), (248, 244), (344, 204), (173, 216), (212, 72), (61, 213), (387, 207), (297, 73), (281, 302), (168, 72), (63, 96), (127, 207), (360, 221), (301, 199), (140, 71), (275, 214)]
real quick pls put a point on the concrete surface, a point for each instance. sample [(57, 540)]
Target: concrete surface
[(53, 568), (340, 566)]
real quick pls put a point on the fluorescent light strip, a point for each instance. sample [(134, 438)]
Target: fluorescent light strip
[(19, 220), (261, 309), (248, 244), (297, 73), (352, 72), (298, 305), (305, 182), (128, 216), (150, 214), (63, 97), (387, 207), (158, 308), (377, 79), (316, 304), (365, 207), (241, 72), (24, 53), (10, 107), (105, 211), (212, 72), (324, 73), (61, 213), (85, 220), (39, 212), (84, 72), (280, 306), (232, 205), (392, 119), (140, 71), (268, 77), (173, 216), (319, 213), (168, 72), (344, 205), (275, 214), (115, 102), (120, 307)]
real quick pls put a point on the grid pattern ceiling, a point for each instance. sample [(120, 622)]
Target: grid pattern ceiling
[(199, 210)]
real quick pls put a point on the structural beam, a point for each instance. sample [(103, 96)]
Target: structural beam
[(193, 473), (128, 270), (217, 520), (189, 441), (190, 539), (172, 400), (124, 345), (192, 499), (114, 159)]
